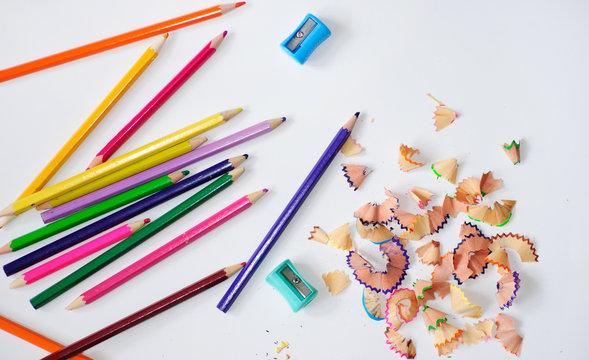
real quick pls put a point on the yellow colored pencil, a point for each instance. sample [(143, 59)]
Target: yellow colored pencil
[(106, 168), (94, 119), (162, 156)]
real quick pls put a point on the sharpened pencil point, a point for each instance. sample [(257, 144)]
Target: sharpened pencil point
[(185, 172), (349, 125), (236, 173), (19, 282), (228, 114), (95, 162), (177, 176), (230, 270), (236, 161), (146, 221), (79, 302), (5, 249), (265, 190), (243, 263), (224, 33), (238, 4), (166, 35), (255, 196)]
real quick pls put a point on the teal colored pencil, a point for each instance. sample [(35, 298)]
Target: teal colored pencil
[(93, 211), (136, 238)]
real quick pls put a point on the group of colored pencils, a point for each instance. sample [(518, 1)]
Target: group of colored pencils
[(131, 184)]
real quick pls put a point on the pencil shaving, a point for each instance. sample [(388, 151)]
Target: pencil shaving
[(401, 307), (446, 169), (507, 288), (442, 115), (351, 147), (402, 346), (507, 335), (429, 253), (336, 281), (420, 196), (355, 174), (512, 151), (461, 305), (406, 163)]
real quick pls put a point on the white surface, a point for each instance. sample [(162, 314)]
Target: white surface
[(511, 69)]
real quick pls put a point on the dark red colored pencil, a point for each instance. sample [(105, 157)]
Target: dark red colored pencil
[(144, 314)]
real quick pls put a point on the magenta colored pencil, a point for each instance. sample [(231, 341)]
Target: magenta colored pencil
[(167, 249), (162, 169), (122, 136), (78, 253)]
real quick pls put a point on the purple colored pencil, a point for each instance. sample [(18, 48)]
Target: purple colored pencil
[(159, 170), (118, 217), (286, 216)]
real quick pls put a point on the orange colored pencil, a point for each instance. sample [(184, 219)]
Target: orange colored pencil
[(33, 337), (116, 41)]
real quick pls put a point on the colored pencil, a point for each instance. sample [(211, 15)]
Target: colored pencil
[(169, 166), (145, 313), (126, 132), (24, 204), (109, 221), (78, 253), (116, 41), (166, 250), (287, 214), (35, 338), (92, 121), (136, 239), (117, 188), (154, 160), (93, 212)]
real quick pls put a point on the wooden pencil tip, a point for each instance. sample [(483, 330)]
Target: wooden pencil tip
[(158, 43), (228, 114), (230, 270), (78, 303), (136, 225), (5, 220), (349, 125), (5, 249), (236, 161), (236, 173), (45, 206), (95, 162), (19, 282), (196, 142), (217, 40), (274, 123), (177, 176), (255, 196)]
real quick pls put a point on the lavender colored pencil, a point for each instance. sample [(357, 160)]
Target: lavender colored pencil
[(286, 216), (162, 169), (118, 217)]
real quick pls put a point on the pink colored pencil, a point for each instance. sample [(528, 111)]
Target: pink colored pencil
[(166, 250), (122, 136), (180, 162), (78, 253)]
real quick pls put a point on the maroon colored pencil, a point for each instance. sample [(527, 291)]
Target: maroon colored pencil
[(145, 313)]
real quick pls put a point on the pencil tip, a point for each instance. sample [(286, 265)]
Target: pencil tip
[(349, 125), (185, 172), (236, 173), (95, 162), (255, 196), (79, 302), (265, 190), (357, 114), (283, 119), (243, 263), (238, 4), (246, 156), (229, 114), (166, 35), (224, 33), (146, 221), (19, 282), (5, 249)]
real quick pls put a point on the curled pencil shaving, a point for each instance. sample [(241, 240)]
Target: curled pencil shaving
[(498, 215), (471, 190), (406, 163), (482, 330), (430, 222), (351, 147), (355, 174), (372, 304), (433, 317), (442, 116), (499, 257), (461, 305), (452, 207), (445, 333), (446, 169), (429, 253), (441, 275), (376, 233), (401, 307), (420, 196), (336, 281), (424, 291), (385, 281), (507, 288), (340, 237), (399, 344), (512, 151), (519, 243), (470, 255), (378, 214), (507, 335), (317, 234)]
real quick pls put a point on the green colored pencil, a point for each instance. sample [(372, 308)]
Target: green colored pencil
[(93, 211), (136, 238)]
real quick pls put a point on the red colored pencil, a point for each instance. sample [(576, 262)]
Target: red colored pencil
[(144, 314), (148, 110)]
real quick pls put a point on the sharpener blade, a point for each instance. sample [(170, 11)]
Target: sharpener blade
[(296, 282), (303, 32)]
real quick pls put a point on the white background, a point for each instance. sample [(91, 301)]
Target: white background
[(513, 70)]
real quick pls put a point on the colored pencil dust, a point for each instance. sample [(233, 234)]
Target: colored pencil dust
[(93, 212), (145, 313), (120, 162), (78, 253), (287, 214), (167, 249), (152, 106), (116, 41), (137, 238)]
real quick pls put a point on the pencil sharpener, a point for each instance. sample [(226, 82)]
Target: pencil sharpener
[(303, 41), (287, 280)]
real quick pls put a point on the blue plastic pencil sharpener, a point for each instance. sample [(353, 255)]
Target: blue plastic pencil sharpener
[(303, 41), (287, 280)]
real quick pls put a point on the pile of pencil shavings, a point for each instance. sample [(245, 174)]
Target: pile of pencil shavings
[(390, 228)]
